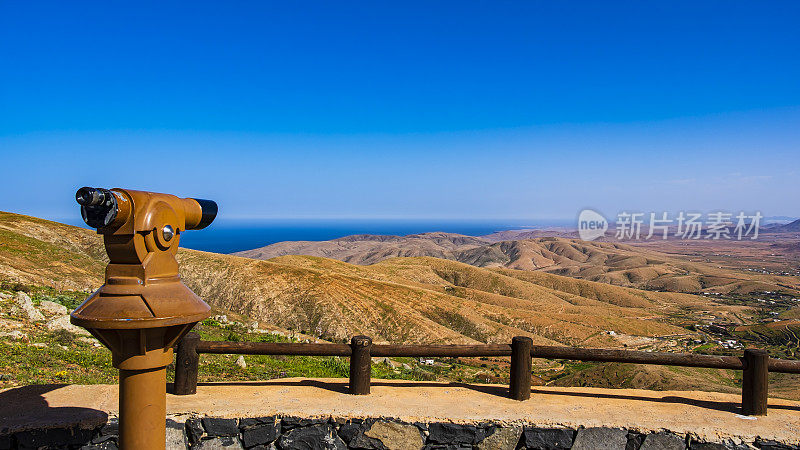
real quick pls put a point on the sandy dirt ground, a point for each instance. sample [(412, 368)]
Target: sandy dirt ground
[(710, 416)]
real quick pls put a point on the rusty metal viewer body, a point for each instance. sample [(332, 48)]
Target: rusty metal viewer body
[(143, 308)]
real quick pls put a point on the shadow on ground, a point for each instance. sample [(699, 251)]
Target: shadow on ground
[(26, 408)]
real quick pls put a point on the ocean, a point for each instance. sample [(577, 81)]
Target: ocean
[(235, 235)]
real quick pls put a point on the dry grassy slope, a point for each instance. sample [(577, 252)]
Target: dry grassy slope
[(37, 251), (659, 378), (397, 300), (324, 303), (548, 306)]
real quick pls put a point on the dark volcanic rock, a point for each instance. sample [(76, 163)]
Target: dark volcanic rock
[(316, 437), (194, 430), (663, 441), (220, 427), (348, 431), (634, 440), (502, 438), (107, 433), (547, 438), (601, 438), (422, 426), (362, 442), (260, 434), (111, 428), (353, 435), (287, 423), (450, 433), (767, 444)]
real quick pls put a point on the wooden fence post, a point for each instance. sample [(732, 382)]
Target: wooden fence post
[(520, 384), (755, 382), (360, 365), (186, 365)]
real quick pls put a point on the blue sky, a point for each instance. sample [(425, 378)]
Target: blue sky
[(463, 110)]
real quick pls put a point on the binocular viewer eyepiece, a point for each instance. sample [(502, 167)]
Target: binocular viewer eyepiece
[(98, 206), (103, 208), (87, 196)]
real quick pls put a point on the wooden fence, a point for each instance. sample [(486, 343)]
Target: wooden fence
[(755, 363)]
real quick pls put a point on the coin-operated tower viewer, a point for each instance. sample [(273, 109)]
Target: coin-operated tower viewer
[(143, 308)]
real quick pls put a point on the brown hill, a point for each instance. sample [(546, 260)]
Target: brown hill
[(606, 262), (516, 235), (369, 249), (418, 299), (626, 265), (793, 227)]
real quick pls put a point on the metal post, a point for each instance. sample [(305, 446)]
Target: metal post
[(142, 408), (186, 365), (360, 365), (755, 382), (520, 383)]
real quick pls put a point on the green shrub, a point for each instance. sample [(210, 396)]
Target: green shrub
[(233, 336), (63, 337), (211, 323)]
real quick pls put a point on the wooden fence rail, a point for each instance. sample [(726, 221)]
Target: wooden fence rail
[(755, 363)]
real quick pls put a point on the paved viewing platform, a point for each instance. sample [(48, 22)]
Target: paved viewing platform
[(707, 416)]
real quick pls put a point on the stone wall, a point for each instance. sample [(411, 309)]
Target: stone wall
[(283, 433)]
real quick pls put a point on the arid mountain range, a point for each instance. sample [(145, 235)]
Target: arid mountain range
[(631, 265), (793, 227), (404, 299)]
